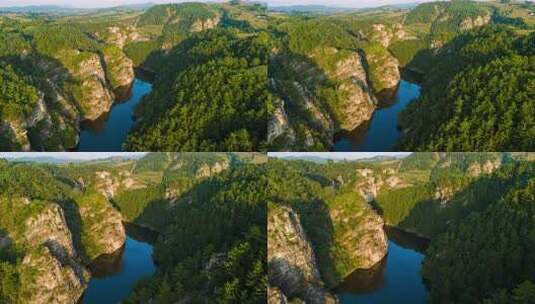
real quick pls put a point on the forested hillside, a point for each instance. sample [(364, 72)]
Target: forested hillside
[(477, 97), (208, 209), (474, 207), (472, 59), (207, 62)]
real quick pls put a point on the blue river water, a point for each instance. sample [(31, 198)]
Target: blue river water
[(381, 133), (108, 132), (115, 276), (397, 279)]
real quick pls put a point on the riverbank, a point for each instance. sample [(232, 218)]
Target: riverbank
[(395, 279), (381, 132), (109, 132), (114, 276)]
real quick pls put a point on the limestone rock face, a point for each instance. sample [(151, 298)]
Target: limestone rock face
[(476, 169), (291, 261), (108, 232), (50, 226), (56, 279), (120, 36), (17, 135), (372, 245), (359, 105), (57, 275), (275, 296), (369, 185), (278, 124), (471, 23), (206, 170), (120, 70), (109, 185), (98, 98), (205, 24), (384, 72)]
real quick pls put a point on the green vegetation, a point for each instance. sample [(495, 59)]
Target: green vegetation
[(500, 236), (226, 108), (211, 222), (478, 96), (17, 95), (226, 226), (61, 56)]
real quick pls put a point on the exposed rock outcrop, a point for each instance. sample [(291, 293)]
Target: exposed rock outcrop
[(205, 24), (54, 279), (383, 69), (359, 103), (275, 296), (97, 97), (50, 226), (471, 23), (57, 274), (120, 71), (292, 264), (208, 170), (107, 232), (278, 125), (476, 169)]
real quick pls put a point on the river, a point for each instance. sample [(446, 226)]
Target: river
[(396, 279), (115, 276), (381, 132), (109, 131)]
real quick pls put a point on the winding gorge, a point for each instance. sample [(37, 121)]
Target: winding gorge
[(377, 229), (68, 81), (151, 227)]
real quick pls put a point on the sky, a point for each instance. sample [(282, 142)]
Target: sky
[(337, 155), (69, 156), (110, 3)]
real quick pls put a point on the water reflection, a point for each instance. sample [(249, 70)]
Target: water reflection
[(396, 279), (109, 131), (381, 132), (114, 276)]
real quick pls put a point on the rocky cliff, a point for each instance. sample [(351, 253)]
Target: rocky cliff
[(327, 91), (292, 269), (359, 102), (53, 268), (72, 86), (119, 71)]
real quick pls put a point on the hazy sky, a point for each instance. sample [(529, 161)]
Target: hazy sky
[(108, 3), (338, 155), (68, 155)]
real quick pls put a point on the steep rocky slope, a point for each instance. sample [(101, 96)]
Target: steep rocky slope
[(317, 239), (292, 264), (55, 233), (325, 87), (75, 78)]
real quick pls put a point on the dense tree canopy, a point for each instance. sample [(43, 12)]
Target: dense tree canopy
[(488, 251), (211, 97), (479, 97)]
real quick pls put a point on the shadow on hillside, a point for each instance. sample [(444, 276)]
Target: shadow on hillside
[(431, 217), (362, 281), (317, 224), (74, 222), (52, 78), (309, 75), (292, 282)]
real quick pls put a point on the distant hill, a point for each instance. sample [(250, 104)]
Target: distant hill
[(326, 158), (323, 9), (60, 160), (49, 9), (56, 9)]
